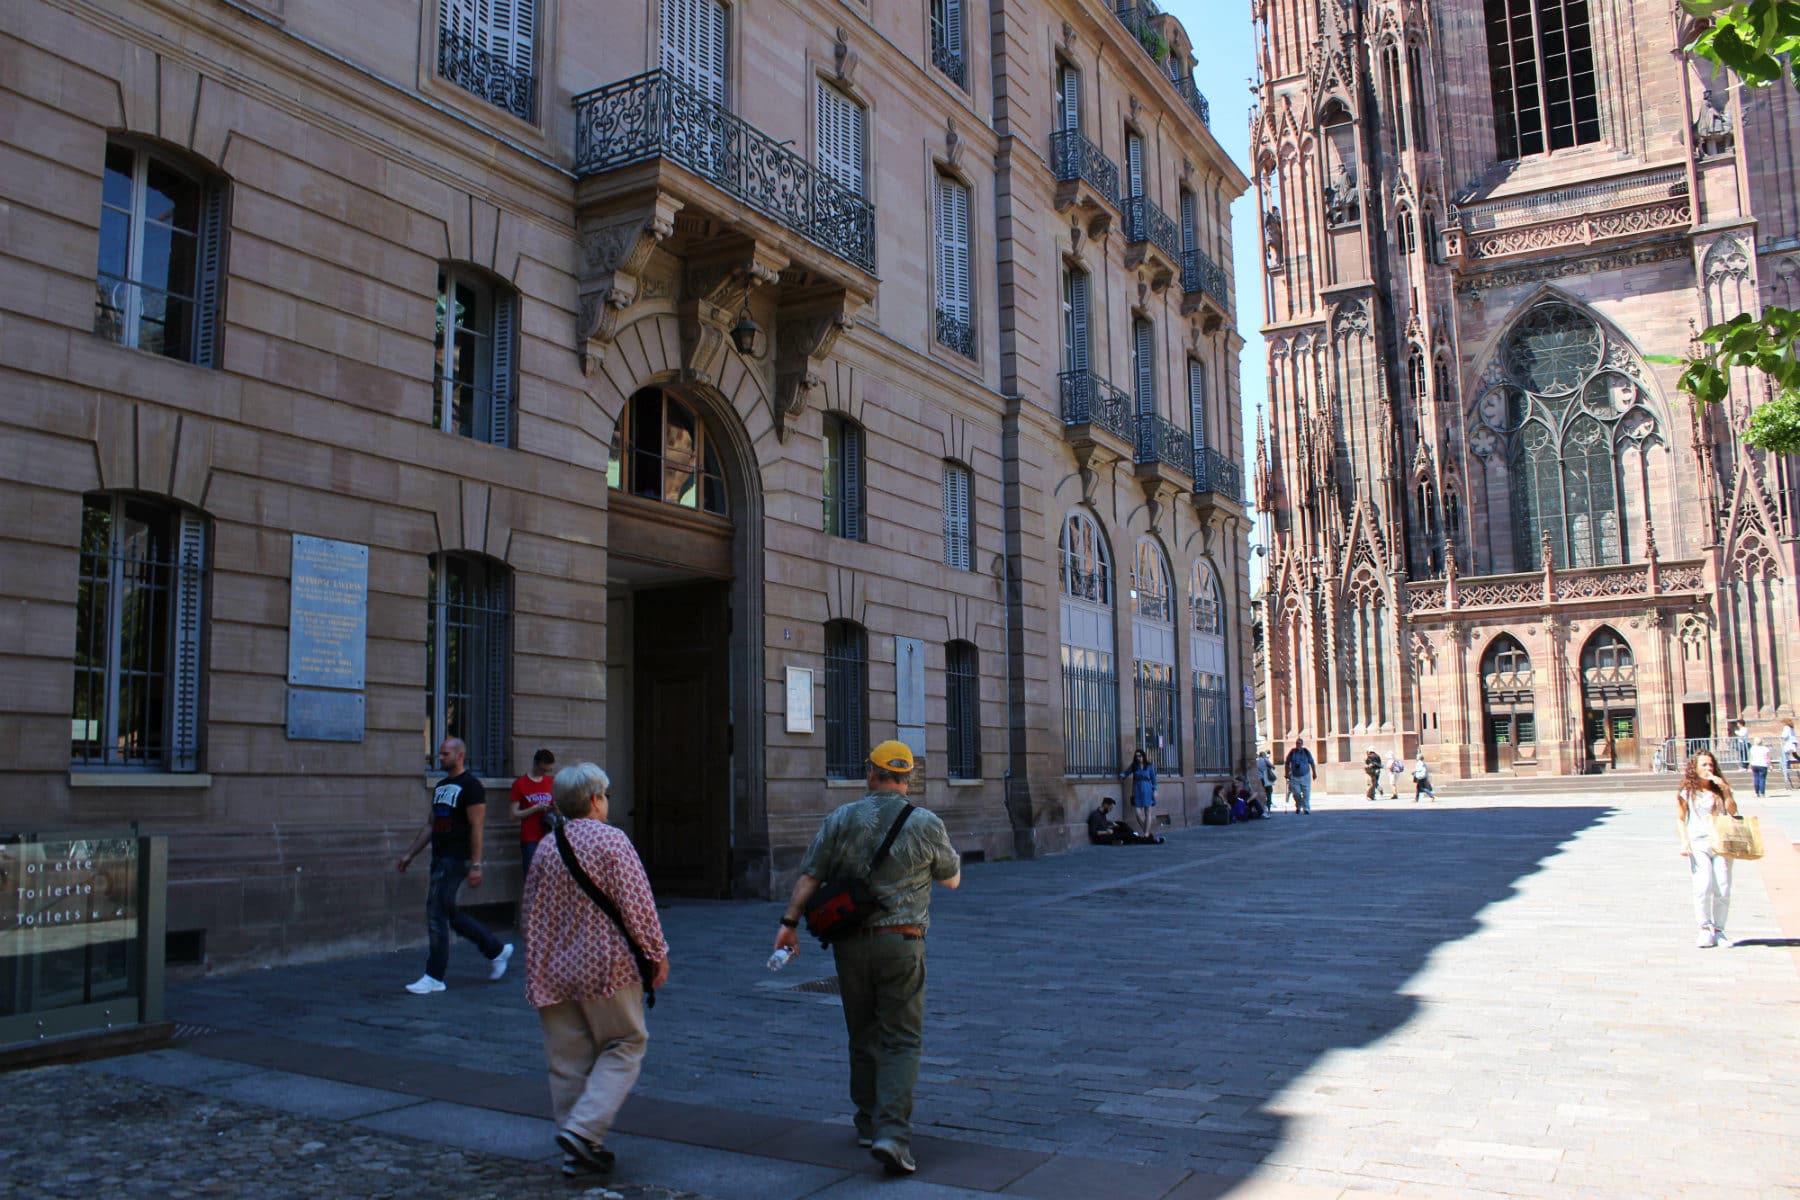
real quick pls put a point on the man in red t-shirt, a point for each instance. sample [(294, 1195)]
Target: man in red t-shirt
[(531, 804)]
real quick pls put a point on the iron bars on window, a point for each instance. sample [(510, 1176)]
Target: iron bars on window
[(1088, 399), (958, 333), (1145, 222), (1074, 158), (1196, 100), (655, 115), (1199, 273), (1090, 713), (1213, 472), (1160, 440), (487, 74)]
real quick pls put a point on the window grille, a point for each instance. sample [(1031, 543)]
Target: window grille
[(1086, 570), (958, 539), (1212, 723), (846, 700), (139, 612), (1090, 712), (947, 40), (695, 36), (955, 327), (468, 659), (162, 256), (1159, 715), (662, 450), (962, 709), (489, 47), (840, 124), (843, 478), (474, 379), (1541, 71)]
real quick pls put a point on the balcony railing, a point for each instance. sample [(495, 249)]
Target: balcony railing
[(654, 115), (1215, 473), (956, 332), (1162, 441), (1088, 399), (1074, 158), (1190, 91), (487, 74), (949, 60), (1145, 222), (1199, 273)]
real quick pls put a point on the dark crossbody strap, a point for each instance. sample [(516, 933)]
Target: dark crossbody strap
[(646, 969), (887, 843)]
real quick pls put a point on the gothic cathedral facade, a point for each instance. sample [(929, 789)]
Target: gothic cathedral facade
[(1499, 536)]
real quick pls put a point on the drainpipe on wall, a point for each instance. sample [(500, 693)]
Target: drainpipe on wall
[(1017, 783)]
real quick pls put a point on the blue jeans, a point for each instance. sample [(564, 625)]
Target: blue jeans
[(1301, 791), (442, 915), (1759, 779), (526, 850)]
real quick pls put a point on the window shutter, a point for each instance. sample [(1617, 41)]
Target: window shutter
[(953, 26), (184, 680), (498, 619), (1145, 379), (840, 136), (958, 552), (834, 474), (500, 402), (1197, 401), (1071, 99), (1078, 320), (1189, 229), (523, 37), (693, 45), (853, 482), (209, 278), (1134, 164), (457, 17), (953, 247)]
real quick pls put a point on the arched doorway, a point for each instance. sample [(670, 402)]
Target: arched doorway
[(1509, 725), (1609, 695), (672, 508)]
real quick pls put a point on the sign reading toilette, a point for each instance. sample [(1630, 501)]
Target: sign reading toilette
[(328, 613)]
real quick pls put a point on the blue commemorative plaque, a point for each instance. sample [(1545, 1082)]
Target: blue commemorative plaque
[(328, 613), (325, 716)]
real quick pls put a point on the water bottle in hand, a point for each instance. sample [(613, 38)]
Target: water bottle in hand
[(780, 958)]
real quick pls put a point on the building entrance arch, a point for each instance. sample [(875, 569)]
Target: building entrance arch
[(1509, 721), (1609, 698)]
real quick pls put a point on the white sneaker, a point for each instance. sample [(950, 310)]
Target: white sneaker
[(497, 964), (425, 985), (1707, 939)]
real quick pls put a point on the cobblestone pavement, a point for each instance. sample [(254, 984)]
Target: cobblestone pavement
[(1486, 997)]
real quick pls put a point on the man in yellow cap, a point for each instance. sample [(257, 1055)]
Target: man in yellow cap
[(881, 967)]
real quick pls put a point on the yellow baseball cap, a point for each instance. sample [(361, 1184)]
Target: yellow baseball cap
[(892, 756)]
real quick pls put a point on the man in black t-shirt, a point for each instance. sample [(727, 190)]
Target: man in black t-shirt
[(455, 831)]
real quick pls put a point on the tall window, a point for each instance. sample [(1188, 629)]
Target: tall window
[(1416, 84), (662, 450), (1090, 678), (162, 256), (840, 123), (959, 544), (1390, 80), (962, 709), (1153, 638), (846, 700), (139, 610), (1143, 366), (695, 34), (1068, 98), (1206, 654), (843, 477), (1541, 69), (1075, 319), (955, 327), (490, 48), (947, 40), (1134, 165), (1190, 223), (1196, 390), (468, 658), (474, 379)]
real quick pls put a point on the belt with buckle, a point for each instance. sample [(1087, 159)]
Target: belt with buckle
[(911, 933)]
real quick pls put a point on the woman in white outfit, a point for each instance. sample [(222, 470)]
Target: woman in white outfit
[(1703, 795)]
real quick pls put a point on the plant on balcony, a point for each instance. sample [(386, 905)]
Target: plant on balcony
[(1154, 43)]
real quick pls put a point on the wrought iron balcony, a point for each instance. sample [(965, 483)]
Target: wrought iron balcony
[(1164, 442), (1215, 474), (956, 332), (1201, 275), (487, 74), (1075, 159), (950, 61), (654, 115), (1145, 222), (1135, 16), (1088, 399), (1190, 91)]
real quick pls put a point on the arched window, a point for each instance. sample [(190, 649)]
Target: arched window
[(1206, 660), (1090, 678), (1204, 601), (474, 381), (1609, 698), (662, 450), (846, 700), (1541, 70), (962, 709), (1086, 570), (1151, 596), (1153, 642), (138, 637), (1509, 722), (162, 254), (468, 658)]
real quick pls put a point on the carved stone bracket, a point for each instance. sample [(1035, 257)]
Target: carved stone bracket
[(715, 289), (613, 255), (805, 333)]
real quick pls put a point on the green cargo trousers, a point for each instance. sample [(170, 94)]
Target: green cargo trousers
[(882, 981)]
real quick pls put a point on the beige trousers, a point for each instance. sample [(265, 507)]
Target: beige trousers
[(595, 1049)]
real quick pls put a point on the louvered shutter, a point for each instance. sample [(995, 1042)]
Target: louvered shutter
[(693, 45), (957, 548), (522, 37), (184, 676), (1070, 99), (1140, 344), (953, 248), (834, 475), (1078, 321), (209, 277), (1188, 228), (840, 133), (505, 378), (458, 18), (1134, 163), (953, 27), (853, 482), (1197, 401), (496, 668)]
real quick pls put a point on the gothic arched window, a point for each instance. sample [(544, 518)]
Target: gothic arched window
[(1558, 400)]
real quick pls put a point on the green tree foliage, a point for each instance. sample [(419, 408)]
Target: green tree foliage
[(1759, 40)]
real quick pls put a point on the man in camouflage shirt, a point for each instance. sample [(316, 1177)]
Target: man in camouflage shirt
[(881, 967)]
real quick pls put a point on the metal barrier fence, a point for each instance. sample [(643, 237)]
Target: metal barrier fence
[(1672, 755)]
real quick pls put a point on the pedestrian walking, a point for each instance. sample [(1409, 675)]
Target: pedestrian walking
[(1300, 767), (1142, 774), (455, 831), (1373, 766), (1704, 794), (581, 973), (1422, 781), (1265, 775), (881, 965), (531, 803), (1396, 768), (1759, 765), (1790, 754)]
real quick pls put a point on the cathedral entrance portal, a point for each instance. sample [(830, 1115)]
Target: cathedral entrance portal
[(1609, 694), (1509, 722)]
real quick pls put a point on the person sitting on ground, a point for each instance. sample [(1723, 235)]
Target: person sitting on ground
[(1103, 830), (1240, 804)]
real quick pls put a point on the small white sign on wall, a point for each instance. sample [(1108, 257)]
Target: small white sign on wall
[(799, 700)]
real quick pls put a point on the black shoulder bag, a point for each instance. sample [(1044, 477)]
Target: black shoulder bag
[(841, 906), (646, 968)]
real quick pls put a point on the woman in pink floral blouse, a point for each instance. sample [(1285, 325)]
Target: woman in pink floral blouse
[(579, 972)]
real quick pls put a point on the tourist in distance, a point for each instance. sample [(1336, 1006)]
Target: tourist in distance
[(455, 831), (1759, 765), (1790, 754), (881, 965), (580, 973), (1142, 774), (531, 803), (1265, 775), (1704, 794), (1299, 766), (1373, 766), (1421, 774)]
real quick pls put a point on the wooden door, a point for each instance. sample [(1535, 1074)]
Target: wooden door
[(682, 738)]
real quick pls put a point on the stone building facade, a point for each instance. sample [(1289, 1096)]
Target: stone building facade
[(1501, 538), (690, 386)]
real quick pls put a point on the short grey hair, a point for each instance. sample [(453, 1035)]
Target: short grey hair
[(883, 775), (574, 788)]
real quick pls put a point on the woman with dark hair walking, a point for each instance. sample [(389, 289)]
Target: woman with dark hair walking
[(1704, 795)]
